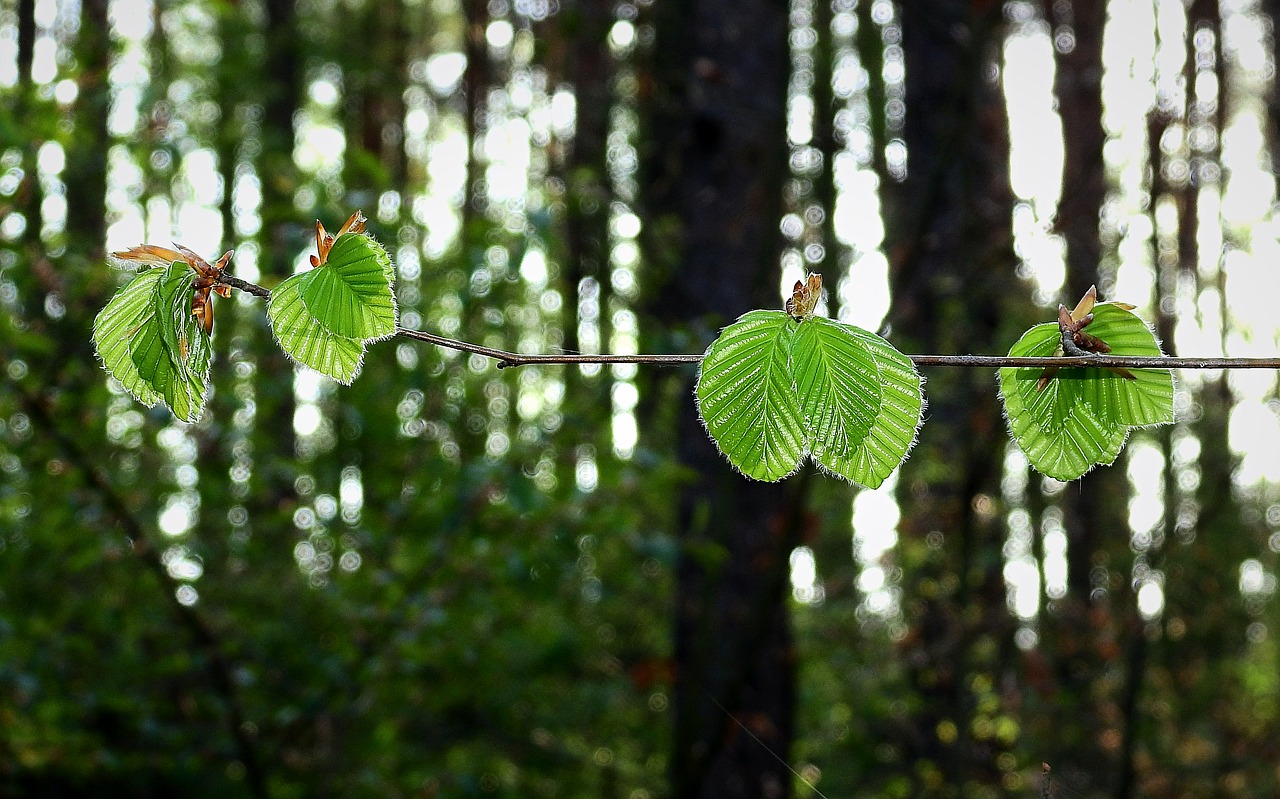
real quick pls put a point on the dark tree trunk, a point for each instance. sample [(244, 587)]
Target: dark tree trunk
[(715, 123), (29, 195), (282, 233), (86, 171), (1080, 630), (586, 171), (954, 290), (832, 265), (475, 85), (375, 106)]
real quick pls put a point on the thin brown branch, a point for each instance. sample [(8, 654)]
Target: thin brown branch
[(508, 359)]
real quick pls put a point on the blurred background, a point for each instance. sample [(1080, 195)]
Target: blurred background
[(449, 580)]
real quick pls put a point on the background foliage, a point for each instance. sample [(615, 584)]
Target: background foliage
[(450, 580)]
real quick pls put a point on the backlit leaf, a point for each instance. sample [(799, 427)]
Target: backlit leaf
[(747, 397), (1083, 415), (774, 388), (351, 293), (838, 382), (117, 328), (898, 421), (306, 340), (149, 341), (1147, 400)]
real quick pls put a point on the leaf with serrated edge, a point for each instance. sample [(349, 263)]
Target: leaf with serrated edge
[(308, 342), (1059, 432), (351, 293), (117, 327), (195, 375), (747, 398), (893, 433), (173, 312), (1144, 401), (171, 351), (838, 382)]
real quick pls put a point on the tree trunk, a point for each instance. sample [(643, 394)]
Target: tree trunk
[(587, 181), (1079, 631), (282, 91), (86, 171), (954, 291), (715, 122)]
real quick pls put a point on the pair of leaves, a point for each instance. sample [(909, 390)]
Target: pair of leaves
[(149, 340), (773, 389), (1081, 417), (323, 318)]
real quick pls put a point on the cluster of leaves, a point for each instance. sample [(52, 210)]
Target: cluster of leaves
[(776, 387), (154, 336), (1069, 420), (323, 318)]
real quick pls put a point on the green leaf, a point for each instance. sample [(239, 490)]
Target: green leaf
[(1083, 415), (747, 397), (838, 381), (351, 293), (306, 340), (172, 352), (116, 329), (150, 342), (901, 404), (173, 312), (323, 317), (1055, 428), (773, 389), (1146, 401)]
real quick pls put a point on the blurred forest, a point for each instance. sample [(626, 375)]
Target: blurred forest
[(449, 580)]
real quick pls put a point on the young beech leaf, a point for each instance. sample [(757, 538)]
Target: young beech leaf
[(1058, 431), (149, 340), (775, 387), (308, 342), (747, 397), (351, 292), (116, 329), (1148, 398), (172, 351), (894, 430), (838, 381), (324, 317), (1080, 417)]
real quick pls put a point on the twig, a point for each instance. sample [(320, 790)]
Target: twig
[(508, 359)]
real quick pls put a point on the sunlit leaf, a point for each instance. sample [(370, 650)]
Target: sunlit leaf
[(1146, 400), (117, 328), (774, 388), (308, 342), (351, 292), (1055, 428), (897, 422), (149, 341), (173, 312), (1082, 416), (172, 352), (838, 382), (747, 397)]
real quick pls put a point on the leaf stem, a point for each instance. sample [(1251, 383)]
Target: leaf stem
[(507, 359)]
